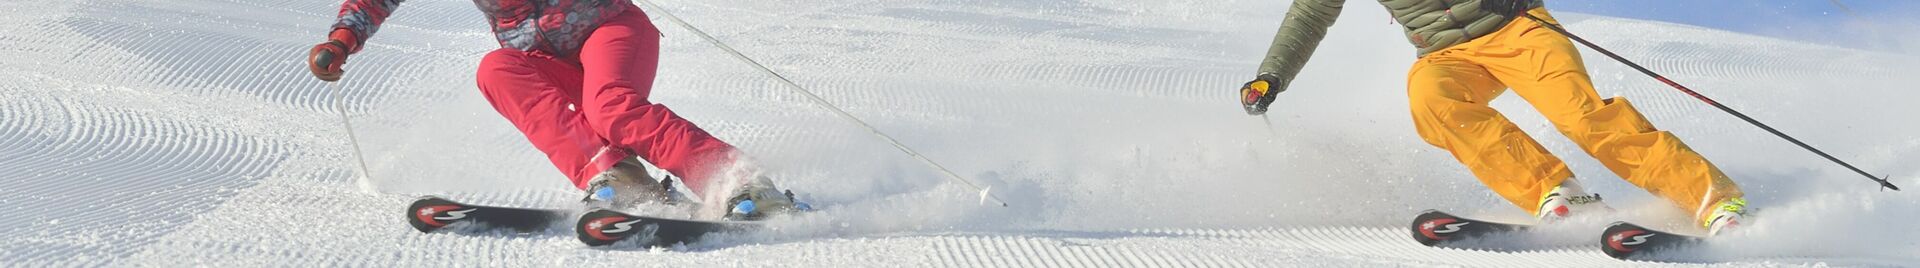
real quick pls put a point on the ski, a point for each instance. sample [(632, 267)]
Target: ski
[(1439, 229), (432, 213), (601, 227), (1627, 241)]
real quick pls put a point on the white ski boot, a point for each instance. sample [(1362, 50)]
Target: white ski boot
[(1566, 199), (1726, 215)]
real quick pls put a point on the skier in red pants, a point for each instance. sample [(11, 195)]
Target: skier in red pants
[(574, 75)]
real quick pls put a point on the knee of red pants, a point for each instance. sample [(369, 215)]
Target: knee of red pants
[(501, 69), (499, 60), (510, 79)]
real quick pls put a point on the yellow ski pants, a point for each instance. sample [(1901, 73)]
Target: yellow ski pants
[(1449, 91)]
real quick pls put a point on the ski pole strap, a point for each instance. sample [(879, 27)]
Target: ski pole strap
[(1663, 79)]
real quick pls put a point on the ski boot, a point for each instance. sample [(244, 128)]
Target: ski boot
[(1568, 197), (758, 200), (625, 185), (1726, 215)]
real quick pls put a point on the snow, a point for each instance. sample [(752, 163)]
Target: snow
[(187, 132)]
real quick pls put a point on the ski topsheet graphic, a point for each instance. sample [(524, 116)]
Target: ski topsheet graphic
[(1628, 241)]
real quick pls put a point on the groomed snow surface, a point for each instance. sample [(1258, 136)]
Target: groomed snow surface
[(188, 133)]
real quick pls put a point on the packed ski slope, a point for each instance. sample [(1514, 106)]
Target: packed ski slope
[(187, 132)]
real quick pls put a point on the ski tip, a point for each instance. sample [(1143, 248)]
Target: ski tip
[(1433, 227), (1621, 240), (1439, 229), (430, 213), (600, 227), (1627, 241)]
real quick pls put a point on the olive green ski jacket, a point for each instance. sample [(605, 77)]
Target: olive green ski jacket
[(1430, 24)]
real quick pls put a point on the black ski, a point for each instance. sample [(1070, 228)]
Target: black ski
[(432, 213), (1627, 241), (1439, 229), (602, 227)]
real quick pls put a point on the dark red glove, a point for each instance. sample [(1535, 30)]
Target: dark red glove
[(325, 58)]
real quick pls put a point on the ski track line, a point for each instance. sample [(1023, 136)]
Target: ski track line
[(30, 134)]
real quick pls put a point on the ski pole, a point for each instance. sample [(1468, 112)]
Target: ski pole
[(1271, 133), (339, 104), (1663, 79), (984, 193)]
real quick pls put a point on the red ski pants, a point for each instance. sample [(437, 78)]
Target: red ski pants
[(589, 113)]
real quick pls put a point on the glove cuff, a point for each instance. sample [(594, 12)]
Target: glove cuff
[(1274, 84), (1271, 78), (346, 39)]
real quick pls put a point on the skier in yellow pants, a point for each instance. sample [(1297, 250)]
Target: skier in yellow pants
[(1471, 52)]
